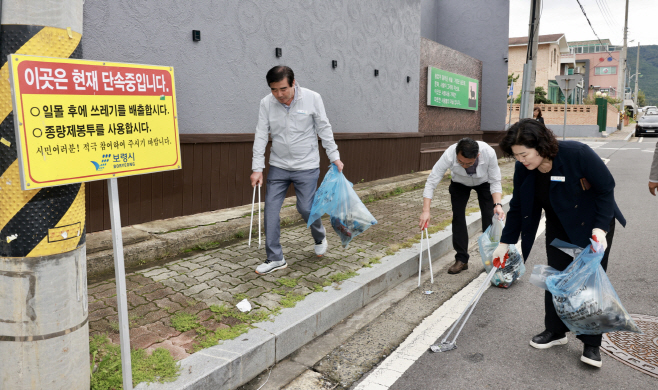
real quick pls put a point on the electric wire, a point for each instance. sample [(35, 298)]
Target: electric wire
[(605, 17), (590, 25), (605, 6)]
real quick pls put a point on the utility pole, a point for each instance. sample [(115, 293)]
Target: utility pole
[(637, 78), (530, 67), (621, 84), (44, 330)]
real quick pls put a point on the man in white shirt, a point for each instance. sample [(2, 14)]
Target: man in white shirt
[(294, 117), (473, 166)]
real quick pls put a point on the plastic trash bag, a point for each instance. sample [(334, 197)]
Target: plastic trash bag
[(514, 267), (582, 294), (336, 197)]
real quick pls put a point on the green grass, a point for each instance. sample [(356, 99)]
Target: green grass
[(240, 296), (212, 338), (239, 234), (318, 288), (291, 299), (183, 322), (472, 210), (288, 282), (339, 277), (106, 374), (395, 192)]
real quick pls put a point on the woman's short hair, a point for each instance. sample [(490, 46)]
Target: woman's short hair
[(539, 111), (533, 135), (468, 148)]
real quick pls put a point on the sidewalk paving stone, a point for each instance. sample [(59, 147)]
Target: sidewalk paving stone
[(225, 275)]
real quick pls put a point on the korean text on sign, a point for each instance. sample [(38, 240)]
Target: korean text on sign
[(85, 120)]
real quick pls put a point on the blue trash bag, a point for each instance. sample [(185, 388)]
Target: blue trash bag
[(348, 215), (582, 294), (514, 267)]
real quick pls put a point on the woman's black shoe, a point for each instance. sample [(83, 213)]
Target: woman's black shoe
[(547, 339), (591, 356)]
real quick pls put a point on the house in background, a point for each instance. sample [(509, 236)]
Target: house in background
[(598, 62), (553, 59)]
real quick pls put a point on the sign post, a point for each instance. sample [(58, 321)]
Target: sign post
[(567, 84), (451, 90), (79, 121)]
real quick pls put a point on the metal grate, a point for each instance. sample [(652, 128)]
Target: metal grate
[(639, 351)]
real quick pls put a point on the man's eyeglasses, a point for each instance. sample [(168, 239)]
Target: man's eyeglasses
[(465, 164)]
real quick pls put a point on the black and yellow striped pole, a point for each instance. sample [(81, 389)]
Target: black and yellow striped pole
[(44, 334)]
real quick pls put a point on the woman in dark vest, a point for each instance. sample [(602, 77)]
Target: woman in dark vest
[(570, 182)]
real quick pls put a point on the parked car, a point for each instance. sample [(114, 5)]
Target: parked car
[(648, 124)]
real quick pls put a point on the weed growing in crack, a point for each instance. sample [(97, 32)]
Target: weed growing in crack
[(106, 372), (183, 322)]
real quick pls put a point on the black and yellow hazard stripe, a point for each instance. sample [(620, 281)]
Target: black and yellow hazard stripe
[(50, 220)]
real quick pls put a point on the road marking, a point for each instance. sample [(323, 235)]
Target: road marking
[(641, 139), (425, 334), (620, 148)]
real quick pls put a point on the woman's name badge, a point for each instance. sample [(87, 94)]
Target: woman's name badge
[(557, 178)]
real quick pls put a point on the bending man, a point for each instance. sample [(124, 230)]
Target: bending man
[(294, 117), (473, 166)]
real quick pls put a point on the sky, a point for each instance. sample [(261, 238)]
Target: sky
[(606, 16)]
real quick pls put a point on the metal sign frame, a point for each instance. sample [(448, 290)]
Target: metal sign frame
[(567, 84)]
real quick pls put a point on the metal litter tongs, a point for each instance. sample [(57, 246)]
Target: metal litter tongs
[(251, 224), (446, 346), (424, 233)]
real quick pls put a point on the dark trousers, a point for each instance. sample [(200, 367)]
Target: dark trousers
[(560, 261), (459, 195)]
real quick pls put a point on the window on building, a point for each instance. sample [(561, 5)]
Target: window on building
[(605, 70)]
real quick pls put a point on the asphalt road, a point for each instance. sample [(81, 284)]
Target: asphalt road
[(493, 349)]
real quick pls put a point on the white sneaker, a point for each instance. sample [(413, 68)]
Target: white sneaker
[(270, 266), (321, 248)]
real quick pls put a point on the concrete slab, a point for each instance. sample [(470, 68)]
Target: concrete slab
[(100, 241)]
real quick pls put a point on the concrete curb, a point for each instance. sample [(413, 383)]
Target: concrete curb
[(144, 243), (235, 362)]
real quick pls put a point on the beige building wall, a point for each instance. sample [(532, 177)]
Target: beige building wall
[(548, 64)]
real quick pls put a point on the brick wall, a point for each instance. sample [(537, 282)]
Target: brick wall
[(577, 114)]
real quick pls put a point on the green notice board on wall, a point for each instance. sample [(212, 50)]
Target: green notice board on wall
[(451, 90)]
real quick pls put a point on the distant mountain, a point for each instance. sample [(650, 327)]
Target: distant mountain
[(648, 71)]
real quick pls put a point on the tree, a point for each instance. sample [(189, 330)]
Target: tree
[(641, 98), (540, 97)]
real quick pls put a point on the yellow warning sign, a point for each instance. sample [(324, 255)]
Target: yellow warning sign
[(79, 120)]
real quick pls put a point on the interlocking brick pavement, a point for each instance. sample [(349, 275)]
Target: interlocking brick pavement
[(223, 276)]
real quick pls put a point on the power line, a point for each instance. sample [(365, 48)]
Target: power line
[(605, 6), (590, 25), (605, 17)]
